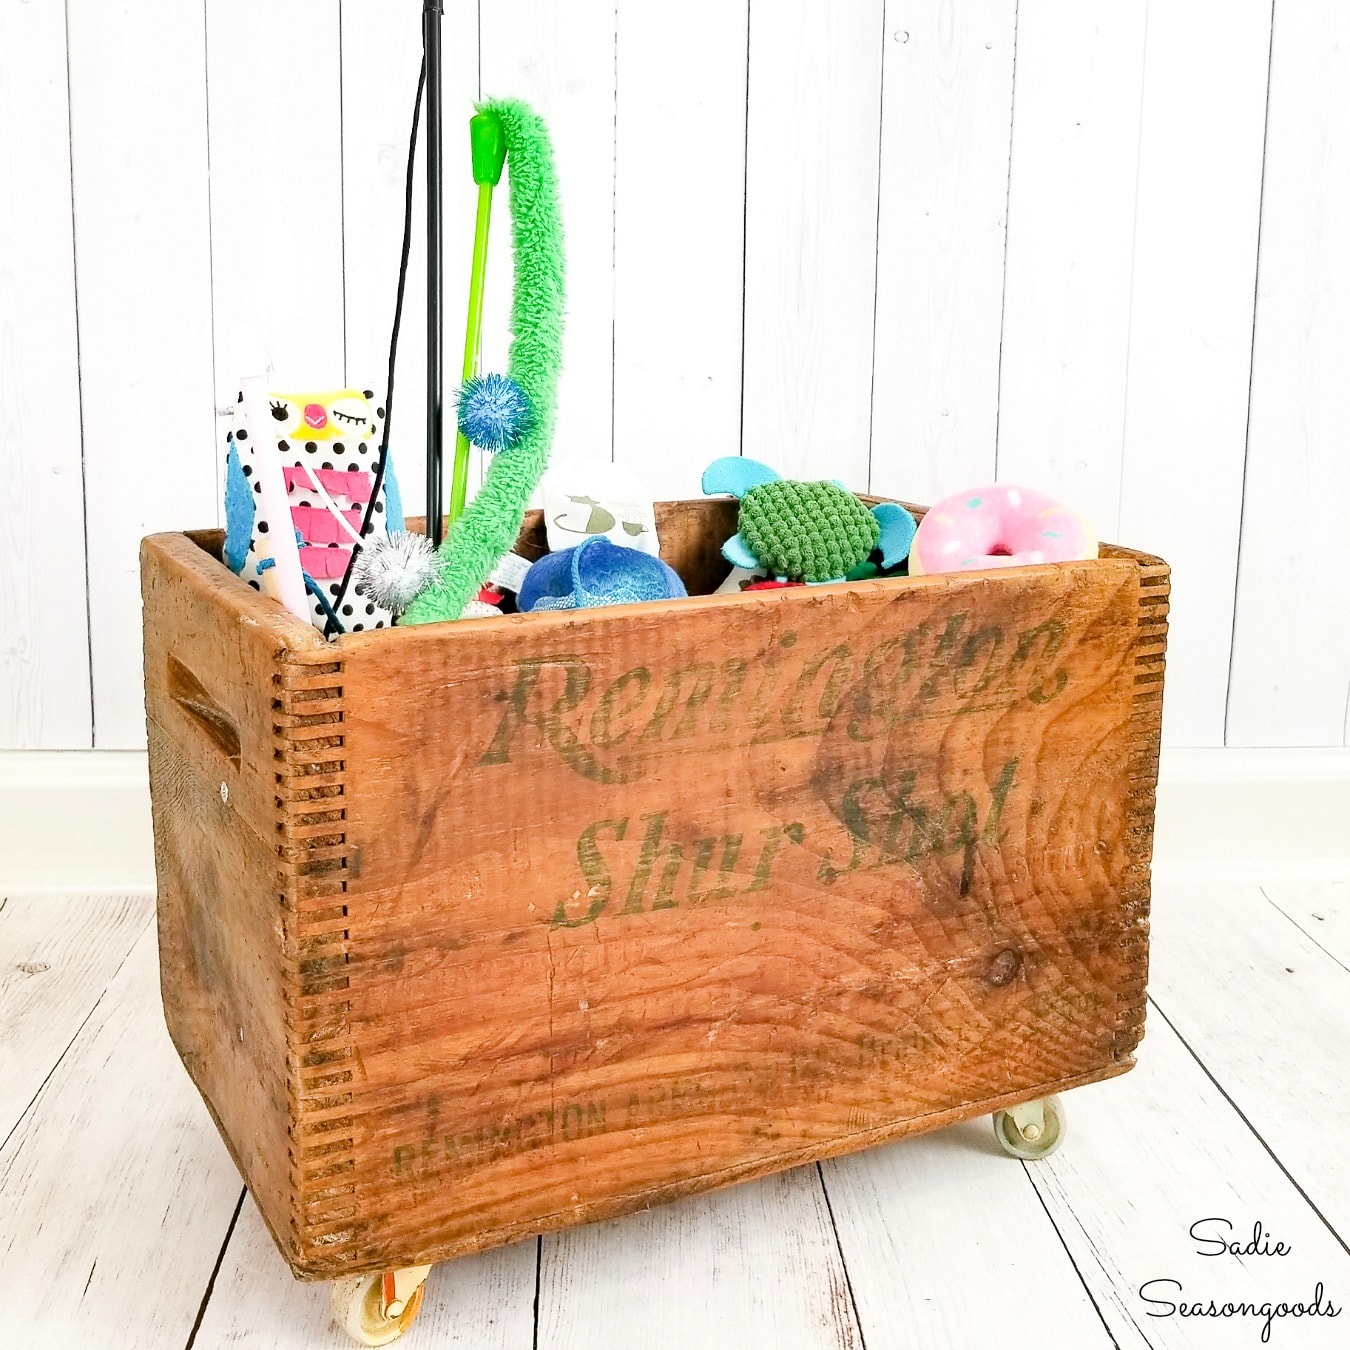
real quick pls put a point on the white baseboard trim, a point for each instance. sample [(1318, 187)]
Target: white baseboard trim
[(75, 821), (1232, 813)]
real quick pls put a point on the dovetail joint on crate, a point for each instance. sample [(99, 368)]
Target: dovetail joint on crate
[(1146, 717), (311, 821)]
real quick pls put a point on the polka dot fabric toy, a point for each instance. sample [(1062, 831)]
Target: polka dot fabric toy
[(1000, 525), (329, 447)]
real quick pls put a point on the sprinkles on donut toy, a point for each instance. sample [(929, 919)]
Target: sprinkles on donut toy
[(1000, 525), (811, 532)]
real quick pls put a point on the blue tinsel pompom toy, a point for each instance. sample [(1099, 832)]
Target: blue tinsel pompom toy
[(494, 412)]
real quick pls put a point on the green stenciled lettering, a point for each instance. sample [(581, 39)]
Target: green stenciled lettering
[(403, 1157), (773, 841), (1052, 631), (513, 718), (647, 856), (595, 1117), (610, 708), (871, 703), (830, 696), (702, 673), (998, 797), (958, 827), (854, 817), (970, 650), (762, 705), (576, 684), (941, 661), (593, 869), (561, 737), (733, 676), (703, 856)]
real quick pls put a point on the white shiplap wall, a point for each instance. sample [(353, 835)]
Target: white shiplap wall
[(1097, 245)]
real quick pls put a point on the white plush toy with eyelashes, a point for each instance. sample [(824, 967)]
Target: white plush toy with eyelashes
[(328, 446)]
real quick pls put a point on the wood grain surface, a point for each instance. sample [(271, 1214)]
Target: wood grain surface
[(113, 1181), (60, 953), (942, 1240), (507, 925)]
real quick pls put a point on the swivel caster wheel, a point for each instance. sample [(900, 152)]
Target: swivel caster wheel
[(1032, 1130), (378, 1309)]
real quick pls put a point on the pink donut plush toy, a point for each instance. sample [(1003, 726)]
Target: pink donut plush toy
[(998, 526)]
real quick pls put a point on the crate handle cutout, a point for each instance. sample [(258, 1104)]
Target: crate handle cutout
[(187, 691)]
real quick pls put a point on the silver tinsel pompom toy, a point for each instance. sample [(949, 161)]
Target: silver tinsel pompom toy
[(393, 569)]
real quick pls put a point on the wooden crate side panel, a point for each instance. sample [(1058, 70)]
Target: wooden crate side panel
[(211, 648), (220, 966), (637, 905), (244, 706)]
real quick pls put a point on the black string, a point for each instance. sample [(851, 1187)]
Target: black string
[(334, 622)]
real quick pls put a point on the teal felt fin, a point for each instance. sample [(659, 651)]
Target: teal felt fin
[(737, 551), (736, 475), (239, 513), (897, 532), (393, 499)]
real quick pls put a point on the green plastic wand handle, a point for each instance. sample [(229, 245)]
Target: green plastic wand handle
[(487, 144)]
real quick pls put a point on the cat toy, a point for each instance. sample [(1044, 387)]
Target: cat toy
[(812, 532), (520, 423), (487, 149)]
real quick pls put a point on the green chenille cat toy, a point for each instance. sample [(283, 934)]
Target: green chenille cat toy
[(512, 415), (811, 532)]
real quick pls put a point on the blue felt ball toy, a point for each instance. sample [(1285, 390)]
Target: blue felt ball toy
[(597, 573), (494, 412)]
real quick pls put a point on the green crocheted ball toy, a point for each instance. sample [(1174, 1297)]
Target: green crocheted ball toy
[(807, 531), (812, 532)]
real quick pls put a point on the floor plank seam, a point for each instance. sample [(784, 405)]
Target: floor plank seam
[(215, 1270), (1087, 1289), (1260, 1138), (1303, 930), (538, 1284), (843, 1260), (60, 1059)]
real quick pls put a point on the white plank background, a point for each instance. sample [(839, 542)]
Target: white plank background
[(1289, 661), (909, 243), (811, 183), (942, 230), (44, 634), (679, 236), (139, 150), (1075, 139), (1197, 219)]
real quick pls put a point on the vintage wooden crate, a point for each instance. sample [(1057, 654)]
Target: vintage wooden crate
[(477, 930)]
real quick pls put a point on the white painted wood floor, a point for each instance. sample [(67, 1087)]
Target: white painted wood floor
[(124, 1224)]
